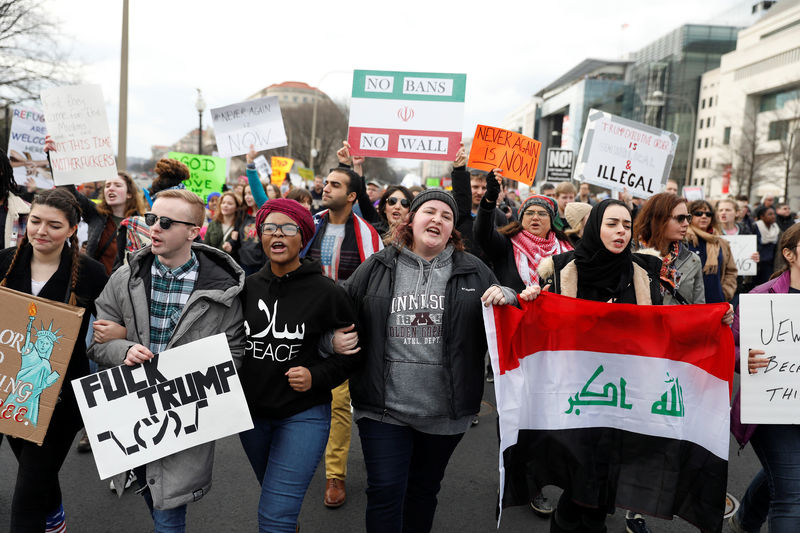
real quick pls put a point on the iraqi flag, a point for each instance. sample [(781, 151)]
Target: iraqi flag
[(626, 406)]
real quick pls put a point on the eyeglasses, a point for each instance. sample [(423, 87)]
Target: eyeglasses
[(699, 214), (540, 214), (393, 200), (288, 229), (683, 218), (165, 222)]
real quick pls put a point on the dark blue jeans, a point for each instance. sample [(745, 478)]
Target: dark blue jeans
[(778, 449), (284, 454), (753, 511), (405, 468)]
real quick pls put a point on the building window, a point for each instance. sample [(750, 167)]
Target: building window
[(697, 163), (708, 122), (699, 143), (778, 130), (726, 136), (710, 101), (703, 104), (706, 146), (701, 123), (703, 182), (778, 99), (704, 162)]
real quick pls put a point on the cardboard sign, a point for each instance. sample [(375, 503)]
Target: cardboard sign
[(262, 167), (743, 247), (183, 397), (76, 120), (36, 341), (516, 154), (413, 115), (281, 166), (26, 147), (770, 322), (206, 173), (559, 164), (617, 153), (257, 122)]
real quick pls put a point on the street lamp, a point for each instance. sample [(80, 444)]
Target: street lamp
[(661, 96), (200, 105)]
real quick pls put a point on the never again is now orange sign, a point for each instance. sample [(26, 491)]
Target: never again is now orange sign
[(516, 154)]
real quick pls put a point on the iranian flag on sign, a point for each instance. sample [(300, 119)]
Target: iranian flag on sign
[(626, 406), (413, 115)]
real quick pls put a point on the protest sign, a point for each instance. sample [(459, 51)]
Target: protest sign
[(431, 182), (743, 247), (693, 193), (252, 122), (617, 153), (26, 147), (206, 173), (36, 341), (183, 397), (76, 120), (306, 173), (770, 322), (413, 115), (516, 154), (559, 164), (281, 166), (262, 167)]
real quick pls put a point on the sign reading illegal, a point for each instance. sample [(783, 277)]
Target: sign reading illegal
[(411, 115), (617, 153), (559, 164), (183, 397)]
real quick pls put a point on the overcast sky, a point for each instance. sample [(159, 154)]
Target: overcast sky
[(232, 48)]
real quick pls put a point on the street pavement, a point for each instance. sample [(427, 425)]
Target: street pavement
[(466, 501)]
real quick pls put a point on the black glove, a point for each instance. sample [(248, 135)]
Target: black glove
[(492, 189)]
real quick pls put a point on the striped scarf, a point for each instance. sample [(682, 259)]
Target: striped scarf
[(529, 250)]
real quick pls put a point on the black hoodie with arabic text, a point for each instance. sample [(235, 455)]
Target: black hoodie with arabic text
[(284, 320)]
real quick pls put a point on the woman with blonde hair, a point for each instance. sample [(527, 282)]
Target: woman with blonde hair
[(703, 237)]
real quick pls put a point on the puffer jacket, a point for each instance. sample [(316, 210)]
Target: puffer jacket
[(371, 287), (213, 307)]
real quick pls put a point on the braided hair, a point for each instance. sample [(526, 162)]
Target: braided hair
[(66, 203)]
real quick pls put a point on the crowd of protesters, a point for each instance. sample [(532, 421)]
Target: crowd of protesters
[(350, 264)]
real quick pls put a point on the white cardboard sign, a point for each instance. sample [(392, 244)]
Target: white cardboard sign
[(743, 247), (770, 322), (257, 122), (186, 396), (76, 120), (262, 167), (618, 153), (26, 147)]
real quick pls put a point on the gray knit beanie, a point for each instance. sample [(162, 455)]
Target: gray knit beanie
[(435, 194)]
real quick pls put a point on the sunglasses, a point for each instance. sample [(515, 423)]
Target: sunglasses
[(391, 201), (699, 214), (288, 229), (683, 218), (165, 222)]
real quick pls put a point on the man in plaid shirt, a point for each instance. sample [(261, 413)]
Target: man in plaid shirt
[(170, 293)]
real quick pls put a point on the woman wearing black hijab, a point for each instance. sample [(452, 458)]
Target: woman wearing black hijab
[(604, 269)]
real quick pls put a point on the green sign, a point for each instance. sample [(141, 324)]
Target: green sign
[(206, 173), (432, 182), (306, 173)]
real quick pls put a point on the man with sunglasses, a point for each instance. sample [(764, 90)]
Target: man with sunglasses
[(171, 293)]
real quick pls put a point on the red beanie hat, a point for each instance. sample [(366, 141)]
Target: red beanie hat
[(294, 210)]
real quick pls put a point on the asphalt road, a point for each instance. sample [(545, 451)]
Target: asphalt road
[(466, 501)]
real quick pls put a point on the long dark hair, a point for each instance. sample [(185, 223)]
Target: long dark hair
[(7, 183), (385, 197), (66, 203)]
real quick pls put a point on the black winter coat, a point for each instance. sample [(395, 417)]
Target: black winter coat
[(371, 287)]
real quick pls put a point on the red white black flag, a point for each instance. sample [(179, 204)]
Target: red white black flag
[(628, 406)]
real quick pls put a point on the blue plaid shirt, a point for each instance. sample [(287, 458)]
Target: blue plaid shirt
[(169, 293)]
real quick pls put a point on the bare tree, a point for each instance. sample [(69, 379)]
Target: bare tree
[(745, 155), (790, 140), (331, 131), (31, 57)]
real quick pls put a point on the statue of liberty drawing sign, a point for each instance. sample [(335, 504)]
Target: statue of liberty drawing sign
[(35, 369)]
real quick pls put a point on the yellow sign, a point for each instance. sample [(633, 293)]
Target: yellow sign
[(280, 169)]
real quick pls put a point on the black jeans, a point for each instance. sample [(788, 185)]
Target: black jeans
[(405, 468), (573, 518), (37, 492)]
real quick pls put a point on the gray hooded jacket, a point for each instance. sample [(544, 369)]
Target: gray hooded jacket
[(691, 285), (213, 307)]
